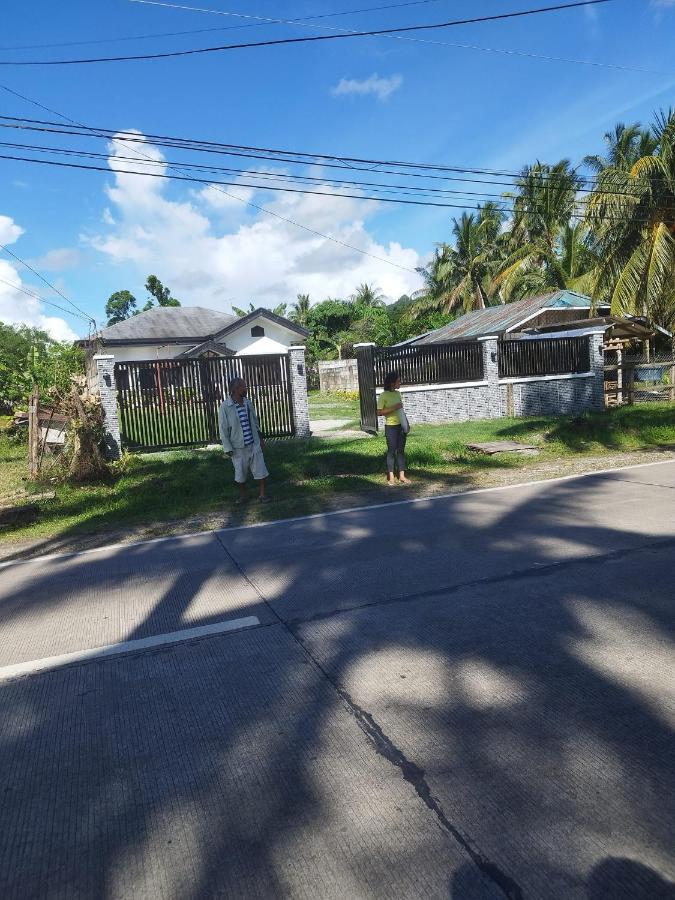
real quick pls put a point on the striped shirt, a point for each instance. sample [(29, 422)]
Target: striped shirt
[(242, 412)]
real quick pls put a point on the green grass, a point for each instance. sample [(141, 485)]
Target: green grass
[(332, 406), (308, 476)]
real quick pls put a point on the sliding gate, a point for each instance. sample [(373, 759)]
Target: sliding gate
[(174, 403)]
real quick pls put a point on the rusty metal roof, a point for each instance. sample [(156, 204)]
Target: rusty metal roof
[(500, 319)]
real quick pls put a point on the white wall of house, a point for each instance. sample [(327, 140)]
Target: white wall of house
[(133, 352), (277, 339)]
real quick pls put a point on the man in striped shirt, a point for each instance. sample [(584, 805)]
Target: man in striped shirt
[(241, 439)]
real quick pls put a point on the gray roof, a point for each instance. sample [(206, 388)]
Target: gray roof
[(194, 323), (499, 319)]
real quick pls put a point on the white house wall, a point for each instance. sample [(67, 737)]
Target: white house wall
[(134, 352), (277, 339)]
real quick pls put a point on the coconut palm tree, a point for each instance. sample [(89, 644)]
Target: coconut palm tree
[(300, 310), (632, 215), (626, 144), (367, 295), (543, 206)]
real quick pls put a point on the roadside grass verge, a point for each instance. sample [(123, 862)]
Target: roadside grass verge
[(151, 490)]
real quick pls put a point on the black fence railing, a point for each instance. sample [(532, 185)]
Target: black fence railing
[(545, 356), (431, 364), (174, 403)]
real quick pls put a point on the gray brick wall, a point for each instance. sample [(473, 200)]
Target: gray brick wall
[(105, 371), (494, 398), (299, 397)]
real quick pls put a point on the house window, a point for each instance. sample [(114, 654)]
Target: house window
[(257, 331)]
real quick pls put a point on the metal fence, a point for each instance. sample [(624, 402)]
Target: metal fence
[(431, 364), (545, 356), (174, 403)]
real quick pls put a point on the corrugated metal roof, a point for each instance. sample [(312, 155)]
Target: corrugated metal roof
[(498, 319), (168, 323)]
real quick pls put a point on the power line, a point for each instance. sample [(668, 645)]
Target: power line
[(302, 22), (144, 37), (310, 39), (35, 296), (48, 283), (285, 156), (397, 189), (250, 203), (343, 195)]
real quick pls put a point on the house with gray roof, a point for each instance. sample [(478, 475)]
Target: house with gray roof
[(193, 332)]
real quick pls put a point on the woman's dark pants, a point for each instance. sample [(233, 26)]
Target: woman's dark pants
[(395, 447)]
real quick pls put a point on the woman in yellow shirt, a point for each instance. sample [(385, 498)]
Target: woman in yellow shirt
[(389, 405)]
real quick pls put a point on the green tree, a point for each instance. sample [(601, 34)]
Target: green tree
[(300, 310), (543, 206), (120, 306), (278, 310), (632, 217), (29, 356), (158, 294), (625, 145), (367, 295)]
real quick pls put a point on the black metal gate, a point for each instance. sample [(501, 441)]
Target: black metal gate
[(367, 396), (174, 403)]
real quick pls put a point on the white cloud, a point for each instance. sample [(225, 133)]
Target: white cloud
[(382, 88), (58, 260), (9, 230), (265, 259), (17, 308)]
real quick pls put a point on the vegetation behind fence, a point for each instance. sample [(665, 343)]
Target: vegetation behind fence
[(545, 356), (432, 363)]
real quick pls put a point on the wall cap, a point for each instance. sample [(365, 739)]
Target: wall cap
[(368, 344), (104, 356), (565, 377), (489, 337), (297, 347)]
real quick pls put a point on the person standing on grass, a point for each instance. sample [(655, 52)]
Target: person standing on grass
[(390, 405), (241, 439)]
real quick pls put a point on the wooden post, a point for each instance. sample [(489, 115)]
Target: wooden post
[(619, 377), (672, 383), (34, 433), (630, 384)]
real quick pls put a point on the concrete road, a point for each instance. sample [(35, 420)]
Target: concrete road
[(469, 697)]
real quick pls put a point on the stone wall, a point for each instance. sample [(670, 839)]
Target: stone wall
[(434, 404), (338, 375), (299, 391)]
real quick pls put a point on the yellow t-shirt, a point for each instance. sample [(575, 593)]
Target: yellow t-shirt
[(386, 400)]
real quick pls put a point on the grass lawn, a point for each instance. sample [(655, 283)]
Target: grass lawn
[(333, 406), (152, 490)]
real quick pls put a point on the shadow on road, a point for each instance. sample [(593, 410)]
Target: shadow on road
[(528, 705)]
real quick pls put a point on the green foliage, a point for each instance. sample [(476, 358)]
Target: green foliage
[(29, 356), (158, 293), (279, 310), (120, 306)]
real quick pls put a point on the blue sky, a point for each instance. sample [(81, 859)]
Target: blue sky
[(94, 233)]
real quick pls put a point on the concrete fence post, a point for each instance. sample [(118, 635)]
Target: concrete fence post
[(491, 375), (105, 372), (597, 357), (299, 398)]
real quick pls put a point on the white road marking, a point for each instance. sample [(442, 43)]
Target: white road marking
[(335, 512), (156, 640)]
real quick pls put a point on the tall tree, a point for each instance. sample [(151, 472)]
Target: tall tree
[(120, 306), (300, 310), (632, 217), (625, 145), (367, 295), (543, 206), (158, 293)]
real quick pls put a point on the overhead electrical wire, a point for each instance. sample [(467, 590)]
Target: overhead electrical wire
[(214, 184), (256, 206), (48, 283), (311, 39), (302, 22), (29, 293), (162, 34)]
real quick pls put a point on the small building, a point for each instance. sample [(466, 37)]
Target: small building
[(556, 308), (194, 332)]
